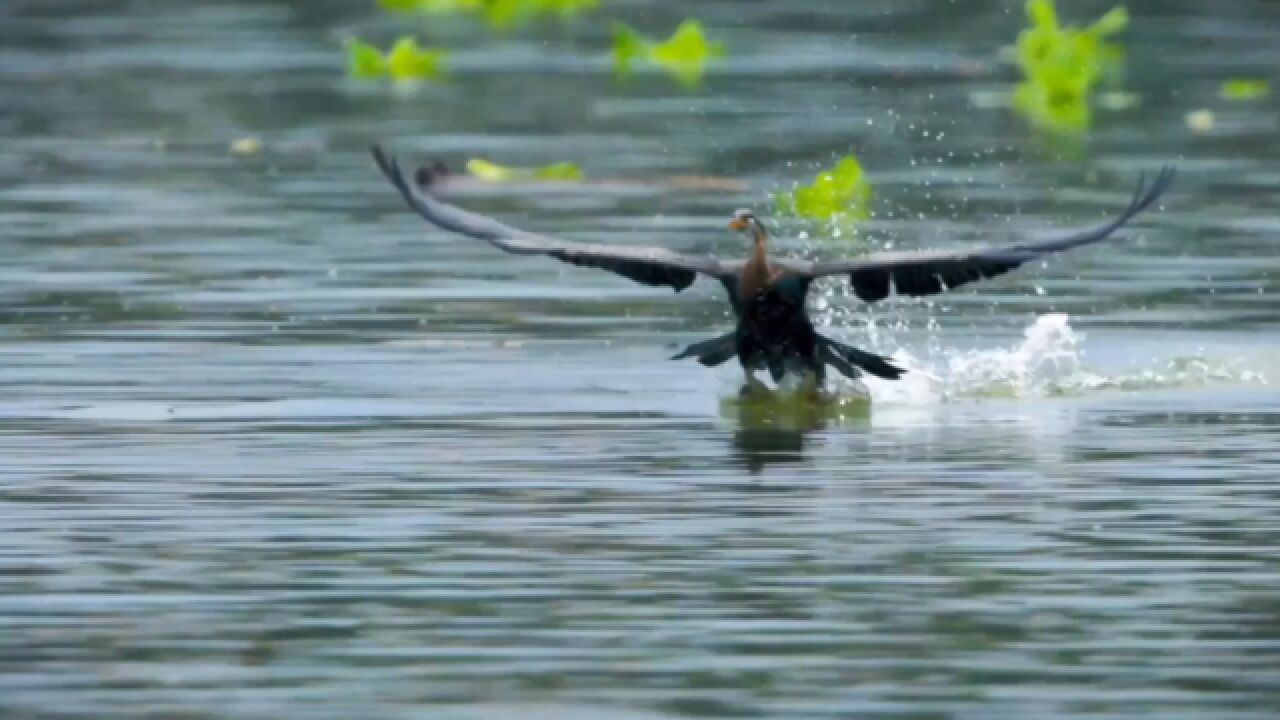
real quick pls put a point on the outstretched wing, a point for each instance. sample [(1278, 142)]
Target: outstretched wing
[(648, 265), (920, 274)]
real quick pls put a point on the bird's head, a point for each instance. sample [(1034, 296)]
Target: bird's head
[(745, 221)]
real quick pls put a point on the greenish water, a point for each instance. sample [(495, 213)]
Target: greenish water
[(271, 448)]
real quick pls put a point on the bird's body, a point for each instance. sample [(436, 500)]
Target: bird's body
[(773, 331), (768, 295)]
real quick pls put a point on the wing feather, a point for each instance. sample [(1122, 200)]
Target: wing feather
[(648, 265), (917, 274)]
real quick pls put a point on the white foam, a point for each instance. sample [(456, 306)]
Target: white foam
[(1049, 360)]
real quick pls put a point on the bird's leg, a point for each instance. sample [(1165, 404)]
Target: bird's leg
[(813, 383), (819, 377), (752, 384)]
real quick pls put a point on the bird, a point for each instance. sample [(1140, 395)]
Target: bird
[(767, 294)]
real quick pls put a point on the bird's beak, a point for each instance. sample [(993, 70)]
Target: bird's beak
[(737, 224)]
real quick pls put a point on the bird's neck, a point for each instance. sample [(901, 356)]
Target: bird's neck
[(755, 275)]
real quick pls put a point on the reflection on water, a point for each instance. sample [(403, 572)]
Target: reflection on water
[(771, 425), (271, 448), (756, 447)]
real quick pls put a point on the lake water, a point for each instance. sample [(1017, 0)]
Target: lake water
[(270, 447)]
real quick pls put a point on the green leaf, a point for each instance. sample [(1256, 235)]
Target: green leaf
[(686, 53), (434, 7), (1062, 64), (565, 8), (1064, 110), (1042, 14), (628, 46), (399, 5), (1244, 89), (1116, 20), (500, 14), (407, 61), (503, 14), (561, 171), (448, 7), (364, 60), (487, 171), (839, 194)]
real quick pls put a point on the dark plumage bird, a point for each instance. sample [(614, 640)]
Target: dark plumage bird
[(768, 294)]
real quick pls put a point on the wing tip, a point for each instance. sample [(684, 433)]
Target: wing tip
[(426, 178), (386, 163), (390, 167), (380, 156), (1145, 194)]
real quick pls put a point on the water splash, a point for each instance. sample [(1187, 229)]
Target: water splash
[(1048, 355), (1048, 361)]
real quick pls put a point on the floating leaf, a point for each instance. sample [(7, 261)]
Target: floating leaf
[(685, 54), (1244, 89), (841, 194), (628, 46), (1062, 64), (503, 14), (565, 8), (364, 60), (1043, 14), (399, 5), (500, 14), (407, 61), (561, 172), (1113, 22), (1062, 109), (434, 7), (487, 171)]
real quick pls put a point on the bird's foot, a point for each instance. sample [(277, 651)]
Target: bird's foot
[(752, 386), (812, 385)]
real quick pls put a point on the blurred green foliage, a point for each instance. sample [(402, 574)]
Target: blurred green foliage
[(841, 195), (492, 172), (1061, 65), (684, 55), (406, 61), (500, 14), (1244, 89)]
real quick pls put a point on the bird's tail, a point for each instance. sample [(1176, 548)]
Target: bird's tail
[(711, 352), (848, 360)]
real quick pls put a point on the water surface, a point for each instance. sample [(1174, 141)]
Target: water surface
[(271, 448)]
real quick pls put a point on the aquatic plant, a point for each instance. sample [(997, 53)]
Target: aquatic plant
[(434, 7), (364, 60), (492, 172), (1062, 64), (406, 61), (841, 195), (499, 14), (1244, 89), (564, 8), (684, 55)]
